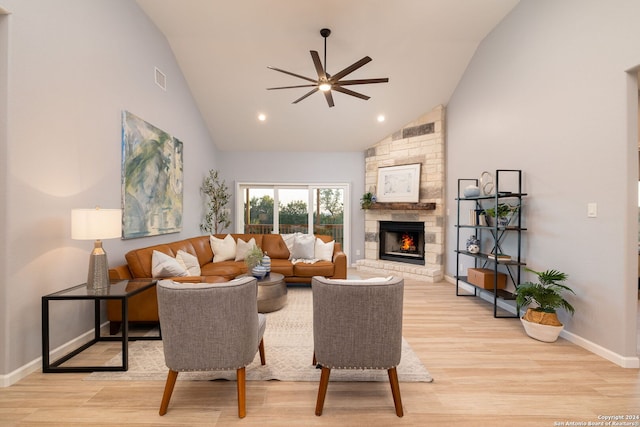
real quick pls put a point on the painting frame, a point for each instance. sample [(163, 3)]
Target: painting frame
[(152, 179), (400, 184)]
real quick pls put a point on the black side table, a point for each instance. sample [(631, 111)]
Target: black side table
[(122, 291)]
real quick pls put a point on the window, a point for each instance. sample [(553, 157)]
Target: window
[(291, 208)]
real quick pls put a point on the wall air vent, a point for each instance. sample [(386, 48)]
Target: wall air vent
[(161, 79)]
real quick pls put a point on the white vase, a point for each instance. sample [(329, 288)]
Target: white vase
[(540, 332)]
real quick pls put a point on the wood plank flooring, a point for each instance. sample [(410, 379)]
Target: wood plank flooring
[(487, 373)]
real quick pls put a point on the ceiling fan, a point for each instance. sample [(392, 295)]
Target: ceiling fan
[(327, 82)]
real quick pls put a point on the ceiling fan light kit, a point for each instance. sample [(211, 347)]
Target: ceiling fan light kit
[(326, 83)]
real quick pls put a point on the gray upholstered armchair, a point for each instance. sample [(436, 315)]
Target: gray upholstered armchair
[(207, 327), (357, 324)]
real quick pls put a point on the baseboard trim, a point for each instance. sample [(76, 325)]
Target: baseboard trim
[(36, 364), (622, 361)]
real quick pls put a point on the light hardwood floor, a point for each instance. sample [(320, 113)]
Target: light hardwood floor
[(487, 373)]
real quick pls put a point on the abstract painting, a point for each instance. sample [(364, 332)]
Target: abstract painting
[(151, 179)]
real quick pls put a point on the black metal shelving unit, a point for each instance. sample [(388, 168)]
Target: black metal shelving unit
[(497, 235)]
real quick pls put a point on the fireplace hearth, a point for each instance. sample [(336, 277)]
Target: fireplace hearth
[(402, 241)]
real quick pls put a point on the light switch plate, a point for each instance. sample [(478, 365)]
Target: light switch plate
[(592, 210)]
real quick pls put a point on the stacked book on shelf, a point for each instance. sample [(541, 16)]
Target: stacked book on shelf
[(499, 257)]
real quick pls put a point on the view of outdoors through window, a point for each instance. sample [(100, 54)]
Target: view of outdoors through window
[(298, 210)]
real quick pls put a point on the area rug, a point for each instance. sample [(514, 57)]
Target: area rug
[(288, 342)]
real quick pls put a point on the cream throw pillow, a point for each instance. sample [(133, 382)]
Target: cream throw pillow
[(188, 262), (223, 249), (303, 246), (163, 265), (242, 248), (324, 251)]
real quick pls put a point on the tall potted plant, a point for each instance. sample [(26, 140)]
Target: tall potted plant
[(216, 192), (541, 321)]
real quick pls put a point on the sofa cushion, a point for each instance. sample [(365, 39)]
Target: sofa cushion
[(274, 246), (282, 266), (320, 268), (242, 248), (226, 269), (223, 249), (289, 239), (189, 262), (163, 265), (303, 246), (323, 251)]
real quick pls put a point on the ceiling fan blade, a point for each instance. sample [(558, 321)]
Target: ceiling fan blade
[(361, 81), (290, 87), (350, 92), (316, 62), (311, 92), (350, 69), (292, 74), (329, 98)]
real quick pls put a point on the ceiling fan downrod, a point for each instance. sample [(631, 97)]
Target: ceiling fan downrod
[(325, 32)]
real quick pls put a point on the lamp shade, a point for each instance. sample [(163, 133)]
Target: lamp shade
[(96, 224)]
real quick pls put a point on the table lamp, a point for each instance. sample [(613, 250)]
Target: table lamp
[(96, 224)]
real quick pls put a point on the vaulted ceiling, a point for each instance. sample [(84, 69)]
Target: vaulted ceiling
[(224, 48)]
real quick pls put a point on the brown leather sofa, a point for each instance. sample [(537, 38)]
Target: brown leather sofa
[(144, 307)]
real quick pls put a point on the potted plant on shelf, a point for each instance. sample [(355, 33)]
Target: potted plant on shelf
[(502, 213), (367, 200), (541, 321)]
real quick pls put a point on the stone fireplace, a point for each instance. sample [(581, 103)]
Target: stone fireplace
[(402, 241), (421, 141)]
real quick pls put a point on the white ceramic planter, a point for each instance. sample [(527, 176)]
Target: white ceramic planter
[(545, 333)]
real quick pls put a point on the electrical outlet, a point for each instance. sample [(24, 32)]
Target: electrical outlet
[(357, 252)]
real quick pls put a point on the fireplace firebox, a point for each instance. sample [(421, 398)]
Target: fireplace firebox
[(402, 241)]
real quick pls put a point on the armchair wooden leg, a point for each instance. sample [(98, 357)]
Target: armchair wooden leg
[(263, 359), (242, 393), (395, 391), (168, 389), (315, 362), (322, 390)]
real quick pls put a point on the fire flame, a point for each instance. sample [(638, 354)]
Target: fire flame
[(407, 242)]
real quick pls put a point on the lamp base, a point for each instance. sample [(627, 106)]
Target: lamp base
[(98, 277)]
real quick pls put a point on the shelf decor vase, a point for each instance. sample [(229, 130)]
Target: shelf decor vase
[(259, 272), (266, 262), (471, 191)]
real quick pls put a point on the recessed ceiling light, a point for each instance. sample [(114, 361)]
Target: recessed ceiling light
[(381, 118), (262, 117)]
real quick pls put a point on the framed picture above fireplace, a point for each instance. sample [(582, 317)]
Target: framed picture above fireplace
[(399, 183)]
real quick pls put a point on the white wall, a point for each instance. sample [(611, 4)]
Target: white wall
[(74, 65), (307, 167), (547, 92)]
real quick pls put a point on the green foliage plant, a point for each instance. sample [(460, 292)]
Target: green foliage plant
[(253, 257), (366, 200), (546, 294), (502, 211), (217, 195)]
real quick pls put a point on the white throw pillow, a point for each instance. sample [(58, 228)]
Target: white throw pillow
[(324, 251), (163, 265), (189, 262), (289, 239), (223, 249), (243, 248), (303, 246)]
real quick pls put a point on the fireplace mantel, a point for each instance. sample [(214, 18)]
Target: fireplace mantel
[(404, 206)]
